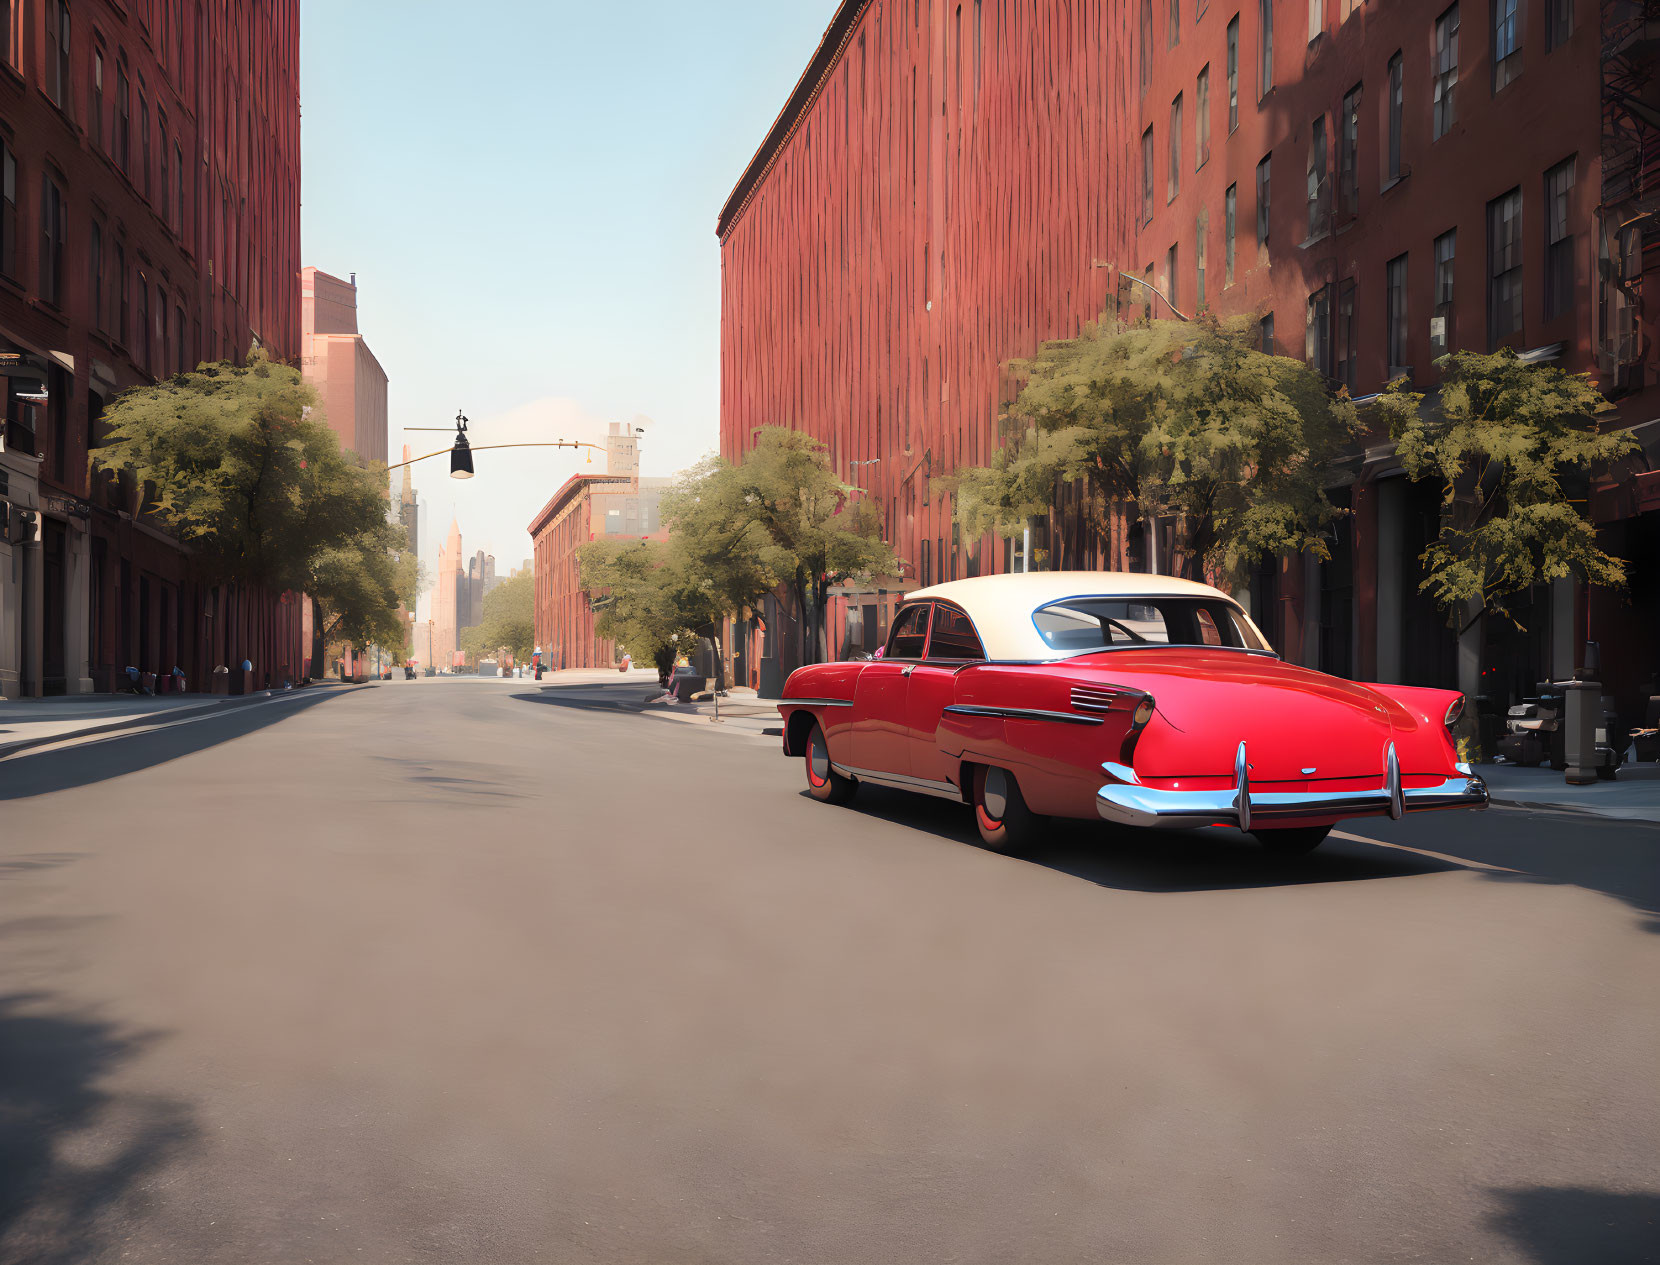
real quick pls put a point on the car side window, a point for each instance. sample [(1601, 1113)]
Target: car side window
[(953, 636), (909, 633)]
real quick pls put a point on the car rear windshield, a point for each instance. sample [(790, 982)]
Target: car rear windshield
[(1103, 623)]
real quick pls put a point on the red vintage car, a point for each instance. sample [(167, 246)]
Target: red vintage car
[(1141, 699)]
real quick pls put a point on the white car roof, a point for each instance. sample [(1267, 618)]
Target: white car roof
[(1001, 606)]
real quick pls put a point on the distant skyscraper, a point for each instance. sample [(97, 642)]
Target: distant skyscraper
[(409, 506), (334, 358), (452, 598), (481, 578)]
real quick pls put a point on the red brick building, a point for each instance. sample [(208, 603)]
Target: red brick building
[(952, 183), (150, 221), (619, 504)]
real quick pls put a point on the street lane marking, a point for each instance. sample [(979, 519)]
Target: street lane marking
[(1425, 852)]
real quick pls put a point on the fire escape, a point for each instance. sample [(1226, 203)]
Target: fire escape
[(1629, 237)]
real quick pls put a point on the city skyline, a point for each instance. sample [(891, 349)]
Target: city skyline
[(533, 328)]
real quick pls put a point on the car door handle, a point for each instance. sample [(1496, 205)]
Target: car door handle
[(907, 669)]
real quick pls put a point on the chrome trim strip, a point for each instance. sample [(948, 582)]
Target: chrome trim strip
[(1022, 713), (1131, 804), (815, 702), (1242, 780), (900, 782)]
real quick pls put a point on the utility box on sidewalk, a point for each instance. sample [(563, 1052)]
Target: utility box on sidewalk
[(1584, 708), (221, 680)]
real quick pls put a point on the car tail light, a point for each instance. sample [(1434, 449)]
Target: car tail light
[(1138, 721), (1454, 712)]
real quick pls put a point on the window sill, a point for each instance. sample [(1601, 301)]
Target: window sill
[(1393, 181), (49, 309), (1314, 240), (7, 70)]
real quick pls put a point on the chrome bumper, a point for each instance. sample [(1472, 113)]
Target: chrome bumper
[(1126, 801)]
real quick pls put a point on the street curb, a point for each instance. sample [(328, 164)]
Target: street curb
[(160, 720)]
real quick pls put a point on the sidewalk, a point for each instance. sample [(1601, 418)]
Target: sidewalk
[(34, 722), (1634, 796)]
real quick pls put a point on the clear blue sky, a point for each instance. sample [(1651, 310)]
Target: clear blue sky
[(528, 200)]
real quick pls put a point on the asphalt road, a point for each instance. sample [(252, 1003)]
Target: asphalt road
[(460, 972)]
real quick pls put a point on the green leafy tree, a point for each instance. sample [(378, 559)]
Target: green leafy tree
[(508, 620), (781, 517), (1511, 445), (644, 597), (236, 461), (1190, 420)]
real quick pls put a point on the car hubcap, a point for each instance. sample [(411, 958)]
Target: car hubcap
[(995, 794)]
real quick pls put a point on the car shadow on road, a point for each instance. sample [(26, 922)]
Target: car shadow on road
[(1158, 860), (567, 696), (1575, 1225), (31, 773), (73, 1154), (1600, 854)]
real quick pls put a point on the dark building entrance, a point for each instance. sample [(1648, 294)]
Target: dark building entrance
[(53, 617)]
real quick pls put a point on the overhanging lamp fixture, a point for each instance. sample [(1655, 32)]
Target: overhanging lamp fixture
[(461, 455)]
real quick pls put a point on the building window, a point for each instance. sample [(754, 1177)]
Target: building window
[(1263, 191), (123, 125), (1441, 321), (125, 309), (8, 36), (1265, 47), (1173, 28), (1559, 241), (1348, 153), (1233, 74), (1346, 335), (1318, 156), (57, 52), (1230, 219), (166, 173), (178, 188), (1394, 316), (97, 110), (1266, 328), (144, 142), (1504, 266), (1174, 183), (178, 340), (1147, 175), (141, 333), (1397, 101), (1316, 19), (1146, 45), (1200, 250), (1317, 333), (158, 365), (54, 232), (1507, 42), (1446, 71), (1201, 118), (95, 271), (8, 210), (1170, 261), (1559, 23)]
